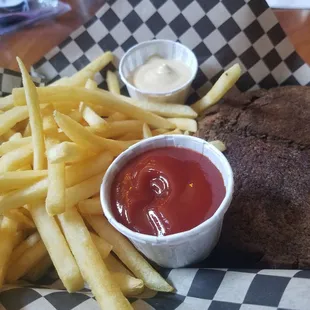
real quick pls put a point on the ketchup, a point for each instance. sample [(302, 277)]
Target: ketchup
[(166, 191)]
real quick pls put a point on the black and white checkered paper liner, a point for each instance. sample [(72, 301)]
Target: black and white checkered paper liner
[(196, 289), (220, 33)]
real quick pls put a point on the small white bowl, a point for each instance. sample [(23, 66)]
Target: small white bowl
[(183, 248), (139, 55)]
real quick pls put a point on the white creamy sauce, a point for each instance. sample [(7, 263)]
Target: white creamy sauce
[(160, 75)]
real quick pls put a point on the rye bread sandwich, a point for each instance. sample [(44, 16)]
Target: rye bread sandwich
[(267, 134)]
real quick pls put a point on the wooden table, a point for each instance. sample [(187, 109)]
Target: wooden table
[(33, 43)]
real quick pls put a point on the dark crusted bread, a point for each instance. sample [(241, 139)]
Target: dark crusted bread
[(267, 134)]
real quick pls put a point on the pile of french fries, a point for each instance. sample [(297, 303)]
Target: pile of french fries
[(56, 144)]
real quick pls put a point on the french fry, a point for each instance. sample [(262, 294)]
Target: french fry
[(90, 206), (83, 170), (117, 116), (96, 97), (57, 248), (226, 81), (18, 179), (49, 125), (19, 237), (25, 168), (88, 72), (129, 285), (67, 152), (147, 133), (159, 131), (186, 133), (35, 119), (16, 158), (24, 246), (16, 136), (174, 132), (131, 136), (7, 135), (93, 269), (118, 128), (8, 231), (91, 84), (22, 220), (55, 200), (76, 115), (128, 254), (163, 109), (27, 131), (219, 145), (82, 136), (103, 247), (25, 262), (184, 124), (20, 197), (114, 265), (10, 118), (113, 84), (91, 117), (6, 103), (38, 271), (83, 190)]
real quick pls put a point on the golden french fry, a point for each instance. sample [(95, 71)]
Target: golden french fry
[(27, 131), (8, 231), (91, 84), (49, 124), (22, 220), (19, 179), (83, 170), (131, 136), (114, 265), (17, 158), (163, 109), (95, 97), (226, 81), (67, 152), (83, 137), (117, 116), (6, 103), (38, 271), (10, 118), (55, 200), (103, 247), (95, 272), (16, 136), (113, 84), (118, 128), (19, 237), (24, 246), (20, 197), (57, 248), (184, 123), (88, 72), (26, 261), (91, 117), (219, 145), (35, 118), (8, 134), (83, 190), (76, 115), (174, 132), (129, 285), (159, 131), (90, 206), (128, 254), (147, 133), (25, 168)]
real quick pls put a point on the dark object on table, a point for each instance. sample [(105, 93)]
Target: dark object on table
[(267, 134)]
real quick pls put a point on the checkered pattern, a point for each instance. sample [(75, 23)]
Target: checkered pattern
[(10, 79), (213, 289), (219, 32)]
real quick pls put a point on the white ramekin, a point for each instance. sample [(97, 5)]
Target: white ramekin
[(140, 53), (183, 248)]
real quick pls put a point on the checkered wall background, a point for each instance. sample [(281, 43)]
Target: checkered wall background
[(220, 33)]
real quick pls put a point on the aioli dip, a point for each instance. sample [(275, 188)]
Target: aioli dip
[(166, 191), (160, 75)]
